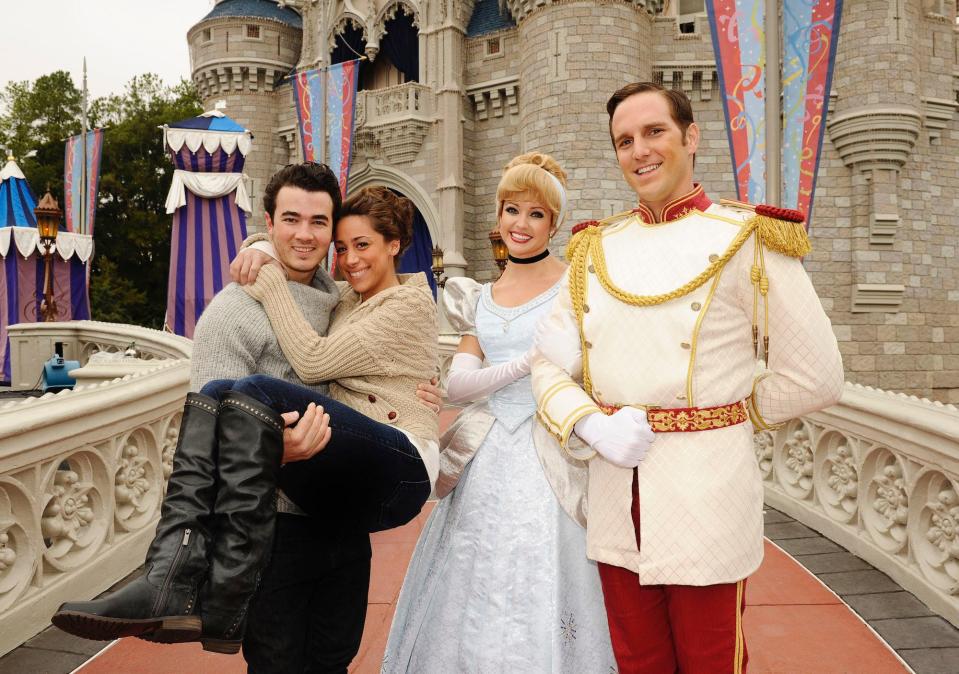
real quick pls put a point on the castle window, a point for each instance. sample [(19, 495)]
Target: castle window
[(207, 34), (494, 46), (253, 32)]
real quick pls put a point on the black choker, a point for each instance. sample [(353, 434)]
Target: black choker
[(529, 260)]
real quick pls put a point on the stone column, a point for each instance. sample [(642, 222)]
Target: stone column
[(443, 45)]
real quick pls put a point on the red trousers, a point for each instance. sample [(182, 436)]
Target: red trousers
[(663, 629)]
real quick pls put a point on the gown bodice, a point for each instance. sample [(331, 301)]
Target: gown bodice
[(504, 334)]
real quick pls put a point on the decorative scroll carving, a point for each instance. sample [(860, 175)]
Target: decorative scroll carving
[(137, 481), (934, 530), (837, 476), (794, 461), (764, 443)]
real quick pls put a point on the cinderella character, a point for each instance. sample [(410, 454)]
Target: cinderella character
[(499, 580)]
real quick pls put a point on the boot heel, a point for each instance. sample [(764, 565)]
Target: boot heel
[(176, 630), (221, 646)]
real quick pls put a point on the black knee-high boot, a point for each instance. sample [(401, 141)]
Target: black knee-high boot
[(163, 601), (250, 440)]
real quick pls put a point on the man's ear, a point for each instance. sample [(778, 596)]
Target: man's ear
[(269, 224), (692, 138)]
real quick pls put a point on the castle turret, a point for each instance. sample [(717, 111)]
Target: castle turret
[(240, 53), (575, 55)]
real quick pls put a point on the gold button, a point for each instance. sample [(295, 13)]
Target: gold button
[(696, 306), (685, 345), (713, 257), (585, 308), (592, 269), (588, 345)]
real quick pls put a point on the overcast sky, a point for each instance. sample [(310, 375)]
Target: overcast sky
[(120, 38)]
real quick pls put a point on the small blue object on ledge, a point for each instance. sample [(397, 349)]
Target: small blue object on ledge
[(56, 374)]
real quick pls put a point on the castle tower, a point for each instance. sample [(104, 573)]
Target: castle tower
[(240, 53), (575, 55), (881, 126)]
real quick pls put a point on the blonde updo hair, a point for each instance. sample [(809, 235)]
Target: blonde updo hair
[(526, 174)]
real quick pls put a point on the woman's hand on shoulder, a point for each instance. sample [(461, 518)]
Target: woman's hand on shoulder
[(308, 436), (247, 264)]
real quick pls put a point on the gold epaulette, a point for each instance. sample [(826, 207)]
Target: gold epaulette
[(780, 229)]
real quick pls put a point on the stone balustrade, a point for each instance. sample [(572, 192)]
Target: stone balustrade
[(878, 474), (83, 471), (395, 120)]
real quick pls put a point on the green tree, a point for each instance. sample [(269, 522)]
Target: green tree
[(132, 229), (37, 118)]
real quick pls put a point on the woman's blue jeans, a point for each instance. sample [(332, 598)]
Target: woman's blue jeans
[(368, 476)]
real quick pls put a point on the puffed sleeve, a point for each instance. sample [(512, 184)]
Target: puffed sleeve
[(460, 295)]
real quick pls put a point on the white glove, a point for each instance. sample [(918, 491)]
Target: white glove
[(467, 379), (621, 438)]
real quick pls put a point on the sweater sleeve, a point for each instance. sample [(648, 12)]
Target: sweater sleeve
[(314, 358), (224, 346)]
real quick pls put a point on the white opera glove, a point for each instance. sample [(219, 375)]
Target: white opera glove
[(469, 380), (621, 438)]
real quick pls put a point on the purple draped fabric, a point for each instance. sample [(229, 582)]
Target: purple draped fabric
[(206, 236), (21, 287), (204, 162)]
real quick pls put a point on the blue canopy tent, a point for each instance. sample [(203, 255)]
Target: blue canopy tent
[(21, 261)]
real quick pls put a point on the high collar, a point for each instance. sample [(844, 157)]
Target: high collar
[(677, 208)]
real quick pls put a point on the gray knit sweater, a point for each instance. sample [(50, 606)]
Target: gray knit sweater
[(234, 338)]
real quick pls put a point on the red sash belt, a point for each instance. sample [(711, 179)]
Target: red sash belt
[(688, 419)]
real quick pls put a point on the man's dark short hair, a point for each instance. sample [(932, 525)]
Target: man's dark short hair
[(680, 108), (309, 176)]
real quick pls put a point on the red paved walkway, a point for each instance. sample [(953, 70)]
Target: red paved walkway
[(793, 623)]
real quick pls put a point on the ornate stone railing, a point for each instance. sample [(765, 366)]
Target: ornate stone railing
[(32, 344), (877, 473), (396, 119), (82, 475)]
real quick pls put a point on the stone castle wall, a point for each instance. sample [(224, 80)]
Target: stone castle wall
[(883, 227)]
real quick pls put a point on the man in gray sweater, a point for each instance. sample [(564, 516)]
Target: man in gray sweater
[(310, 609)]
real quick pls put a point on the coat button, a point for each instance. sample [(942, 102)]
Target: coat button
[(713, 257), (585, 308), (391, 416), (696, 306), (685, 345), (592, 269), (372, 398), (588, 345)]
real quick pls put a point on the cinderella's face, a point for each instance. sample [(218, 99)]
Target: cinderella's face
[(525, 223)]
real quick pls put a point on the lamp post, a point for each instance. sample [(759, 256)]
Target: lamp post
[(438, 267), (500, 252), (48, 223)]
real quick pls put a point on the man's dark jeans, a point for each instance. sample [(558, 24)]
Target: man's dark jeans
[(309, 612), (369, 475)]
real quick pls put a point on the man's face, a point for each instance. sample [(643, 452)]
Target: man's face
[(656, 160), (301, 229)]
